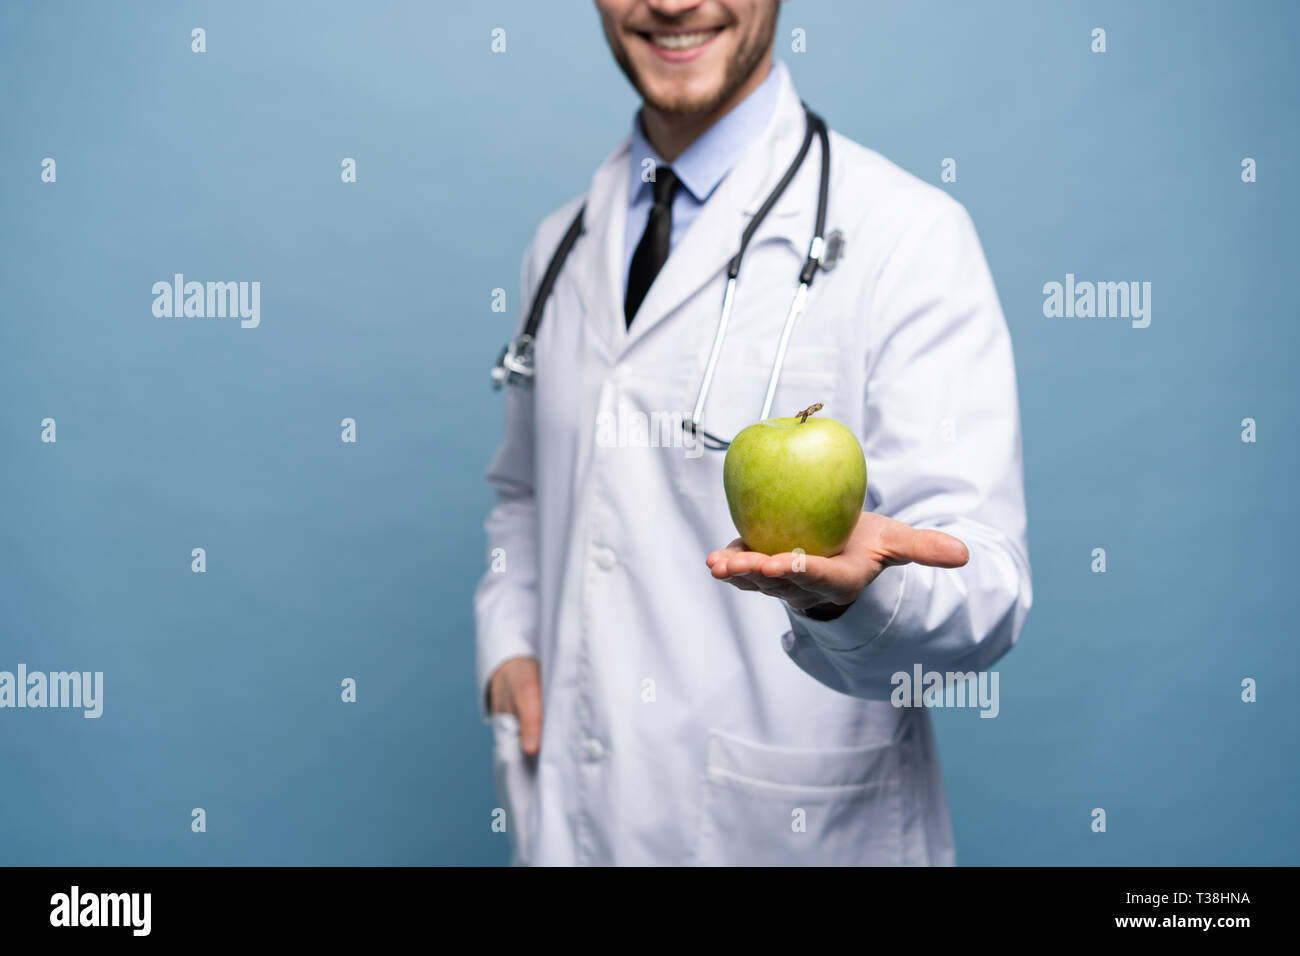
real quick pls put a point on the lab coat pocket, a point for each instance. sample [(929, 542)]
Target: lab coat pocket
[(809, 376), (516, 776), (781, 806)]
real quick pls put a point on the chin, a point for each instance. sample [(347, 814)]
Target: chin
[(679, 95)]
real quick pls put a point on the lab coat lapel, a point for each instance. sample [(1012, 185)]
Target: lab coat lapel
[(601, 284), (714, 236)]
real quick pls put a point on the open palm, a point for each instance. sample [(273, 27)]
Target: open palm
[(809, 581)]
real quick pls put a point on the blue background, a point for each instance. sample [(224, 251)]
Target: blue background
[(329, 560)]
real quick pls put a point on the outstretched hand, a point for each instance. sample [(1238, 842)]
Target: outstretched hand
[(809, 581)]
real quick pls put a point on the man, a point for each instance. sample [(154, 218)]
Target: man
[(657, 701)]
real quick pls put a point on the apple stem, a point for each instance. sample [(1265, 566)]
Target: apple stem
[(803, 415)]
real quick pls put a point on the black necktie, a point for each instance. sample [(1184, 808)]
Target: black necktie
[(652, 252)]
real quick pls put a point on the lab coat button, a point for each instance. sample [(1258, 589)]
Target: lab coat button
[(604, 558), (593, 749)]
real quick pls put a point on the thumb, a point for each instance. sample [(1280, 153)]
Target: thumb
[(934, 549), (528, 699)]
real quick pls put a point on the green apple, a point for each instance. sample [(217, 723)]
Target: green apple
[(795, 483)]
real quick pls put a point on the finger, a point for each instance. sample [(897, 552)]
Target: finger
[(806, 567), (528, 703), (934, 549), (497, 703), (722, 568), (779, 588), (741, 562), (724, 553), (826, 579)]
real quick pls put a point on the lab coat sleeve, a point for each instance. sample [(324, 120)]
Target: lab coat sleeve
[(943, 449), (505, 602)]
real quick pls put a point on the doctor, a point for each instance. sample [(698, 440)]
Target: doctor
[(657, 695)]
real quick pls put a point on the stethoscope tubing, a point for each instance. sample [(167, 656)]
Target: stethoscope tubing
[(515, 366)]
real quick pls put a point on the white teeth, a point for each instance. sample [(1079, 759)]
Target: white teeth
[(681, 41)]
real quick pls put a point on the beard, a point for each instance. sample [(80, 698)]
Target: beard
[(750, 53)]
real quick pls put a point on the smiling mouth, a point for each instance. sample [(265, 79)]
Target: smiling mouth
[(678, 42)]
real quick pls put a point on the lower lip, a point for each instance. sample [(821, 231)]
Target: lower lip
[(681, 56)]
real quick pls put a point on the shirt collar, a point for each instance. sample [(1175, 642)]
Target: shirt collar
[(706, 162)]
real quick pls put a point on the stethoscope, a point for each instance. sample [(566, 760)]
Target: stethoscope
[(515, 366)]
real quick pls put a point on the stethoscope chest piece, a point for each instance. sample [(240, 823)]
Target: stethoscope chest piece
[(515, 365)]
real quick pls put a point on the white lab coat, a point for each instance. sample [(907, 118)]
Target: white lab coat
[(686, 721)]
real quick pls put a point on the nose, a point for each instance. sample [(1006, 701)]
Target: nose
[(672, 8)]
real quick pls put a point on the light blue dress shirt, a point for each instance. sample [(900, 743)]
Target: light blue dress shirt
[(700, 167)]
